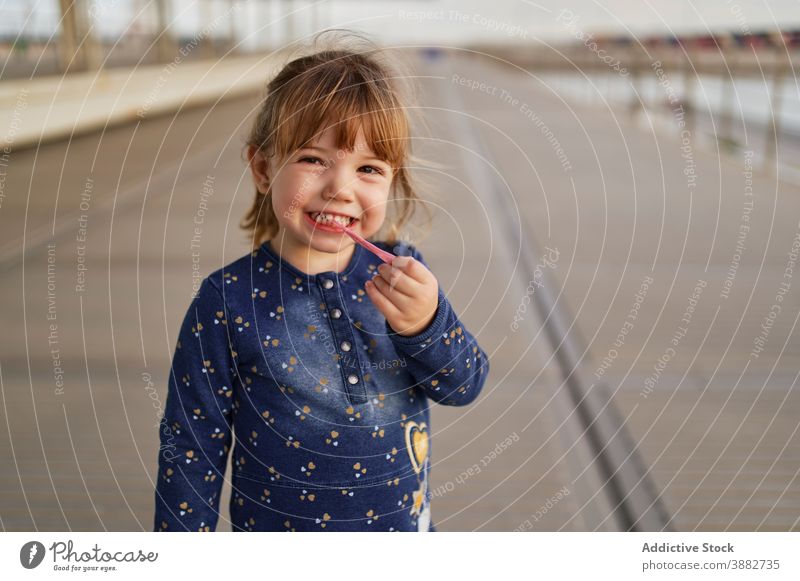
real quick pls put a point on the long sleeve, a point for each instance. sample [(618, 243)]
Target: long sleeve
[(445, 359), (195, 432)]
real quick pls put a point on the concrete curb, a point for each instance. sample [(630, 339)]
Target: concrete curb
[(43, 110)]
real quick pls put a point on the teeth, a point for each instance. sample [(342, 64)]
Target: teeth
[(323, 218)]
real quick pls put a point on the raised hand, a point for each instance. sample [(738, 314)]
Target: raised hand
[(406, 293)]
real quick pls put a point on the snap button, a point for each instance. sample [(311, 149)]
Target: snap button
[(336, 313), (327, 283), (345, 345), (353, 379)]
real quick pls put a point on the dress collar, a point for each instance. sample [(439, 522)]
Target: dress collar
[(358, 251)]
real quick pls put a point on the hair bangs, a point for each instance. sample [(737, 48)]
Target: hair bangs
[(347, 103)]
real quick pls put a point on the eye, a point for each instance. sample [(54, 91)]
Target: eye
[(374, 170), (310, 159)]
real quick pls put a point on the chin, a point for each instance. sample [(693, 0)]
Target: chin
[(331, 245)]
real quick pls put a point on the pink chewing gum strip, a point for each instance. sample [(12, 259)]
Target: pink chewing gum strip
[(387, 257)]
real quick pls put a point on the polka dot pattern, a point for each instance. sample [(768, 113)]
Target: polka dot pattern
[(323, 408)]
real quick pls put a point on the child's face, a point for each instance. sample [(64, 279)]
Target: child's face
[(323, 178)]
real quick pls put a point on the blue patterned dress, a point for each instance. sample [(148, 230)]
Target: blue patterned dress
[(327, 405)]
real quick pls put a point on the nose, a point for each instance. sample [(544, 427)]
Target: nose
[(338, 183)]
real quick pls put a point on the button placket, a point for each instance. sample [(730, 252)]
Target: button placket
[(349, 363)]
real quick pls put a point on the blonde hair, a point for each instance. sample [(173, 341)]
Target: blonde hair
[(348, 86)]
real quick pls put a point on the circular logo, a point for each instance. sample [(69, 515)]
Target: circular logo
[(31, 554)]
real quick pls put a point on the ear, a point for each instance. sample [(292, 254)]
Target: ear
[(259, 167)]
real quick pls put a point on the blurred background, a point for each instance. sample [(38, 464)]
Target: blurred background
[(617, 222)]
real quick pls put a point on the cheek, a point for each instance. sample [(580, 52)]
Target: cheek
[(376, 202), (287, 197), (376, 215)]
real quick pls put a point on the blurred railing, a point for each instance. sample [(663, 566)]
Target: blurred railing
[(85, 35), (683, 68)]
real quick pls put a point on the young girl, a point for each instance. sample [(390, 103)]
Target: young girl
[(319, 357)]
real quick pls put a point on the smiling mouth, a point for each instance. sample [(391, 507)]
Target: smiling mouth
[(325, 219)]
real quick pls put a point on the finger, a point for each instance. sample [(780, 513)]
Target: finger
[(413, 268), (381, 301), (401, 261), (399, 299), (398, 280)]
